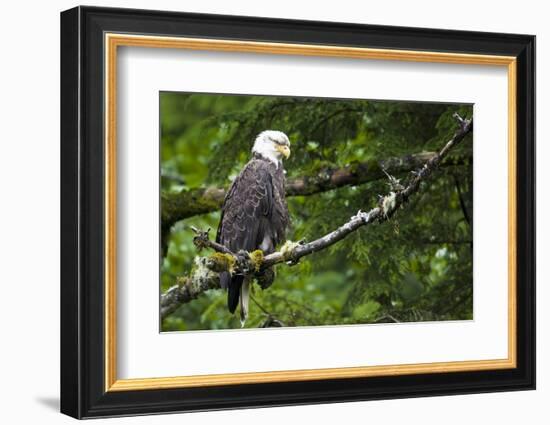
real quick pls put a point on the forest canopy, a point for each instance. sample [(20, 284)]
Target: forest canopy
[(417, 266)]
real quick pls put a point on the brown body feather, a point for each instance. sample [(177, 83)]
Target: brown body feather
[(254, 215)]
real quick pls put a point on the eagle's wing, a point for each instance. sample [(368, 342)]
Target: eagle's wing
[(247, 208), (228, 195)]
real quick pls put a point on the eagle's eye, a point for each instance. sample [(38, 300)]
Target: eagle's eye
[(280, 142)]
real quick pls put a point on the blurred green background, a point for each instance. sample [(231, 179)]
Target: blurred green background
[(416, 267)]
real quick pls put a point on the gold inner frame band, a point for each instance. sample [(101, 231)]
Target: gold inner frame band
[(113, 41)]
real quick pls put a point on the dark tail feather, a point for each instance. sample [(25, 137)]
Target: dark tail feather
[(233, 286), (233, 292), (225, 278)]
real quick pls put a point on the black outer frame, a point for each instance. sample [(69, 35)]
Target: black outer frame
[(82, 212)]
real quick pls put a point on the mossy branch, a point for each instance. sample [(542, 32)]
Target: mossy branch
[(192, 202), (205, 275)]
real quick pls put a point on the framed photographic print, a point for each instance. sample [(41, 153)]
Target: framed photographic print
[(261, 212)]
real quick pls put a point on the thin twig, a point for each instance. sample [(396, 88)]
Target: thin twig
[(264, 310)]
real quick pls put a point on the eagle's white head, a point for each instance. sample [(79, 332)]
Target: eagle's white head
[(272, 145)]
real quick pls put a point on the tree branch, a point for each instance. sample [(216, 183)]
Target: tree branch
[(206, 272), (188, 203), (189, 288)]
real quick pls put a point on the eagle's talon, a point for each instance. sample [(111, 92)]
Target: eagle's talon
[(243, 260)]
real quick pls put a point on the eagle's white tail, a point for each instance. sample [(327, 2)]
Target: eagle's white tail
[(245, 297)]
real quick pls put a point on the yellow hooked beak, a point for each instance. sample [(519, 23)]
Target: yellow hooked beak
[(285, 150)]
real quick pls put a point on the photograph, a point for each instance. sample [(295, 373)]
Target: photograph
[(284, 211)]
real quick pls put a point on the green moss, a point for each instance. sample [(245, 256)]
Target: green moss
[(257, 258), (187, 203), (223, 262), (203, 200)]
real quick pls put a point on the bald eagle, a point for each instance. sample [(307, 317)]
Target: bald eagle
[(254, 212)]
